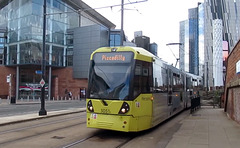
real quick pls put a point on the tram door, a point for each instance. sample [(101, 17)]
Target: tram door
[(170, 89)]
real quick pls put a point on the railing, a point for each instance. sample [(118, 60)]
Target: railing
[(195, 104)]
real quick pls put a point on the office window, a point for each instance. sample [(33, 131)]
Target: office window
[(115, 40), (12, 54)]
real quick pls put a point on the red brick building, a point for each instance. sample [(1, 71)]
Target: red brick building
[(62, 80), (232, 85)]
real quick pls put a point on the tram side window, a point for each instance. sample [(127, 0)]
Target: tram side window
[(177, 83), (160, 79), (189, 85), (164, 80), (142, 78)]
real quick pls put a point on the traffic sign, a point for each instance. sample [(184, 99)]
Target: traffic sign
[(42, 82), (39, 72)]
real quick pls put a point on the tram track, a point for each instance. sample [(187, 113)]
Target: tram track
[(101, 134), (40, 125), (34, 131), (39, 133)]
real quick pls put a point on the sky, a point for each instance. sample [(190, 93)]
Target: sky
[(157, 19)]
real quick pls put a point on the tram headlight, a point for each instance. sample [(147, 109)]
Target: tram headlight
[(124, 109), (90, 106)]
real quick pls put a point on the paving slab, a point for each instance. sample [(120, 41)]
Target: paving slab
[(208, 127)]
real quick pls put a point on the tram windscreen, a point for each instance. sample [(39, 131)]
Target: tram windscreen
[(110, 75)]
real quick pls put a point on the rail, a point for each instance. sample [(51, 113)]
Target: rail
[(195, 104)]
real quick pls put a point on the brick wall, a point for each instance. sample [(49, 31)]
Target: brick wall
[(232, 85), (63, 80), (4, 86)]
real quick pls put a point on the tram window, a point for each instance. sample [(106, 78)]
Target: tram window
[(137, 79), (177, 82), (142, 78), (138, 70), (164, 79)]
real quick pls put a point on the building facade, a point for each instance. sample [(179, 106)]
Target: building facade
[(217, 52), (193, 41), (228, 12), (73, 31), (189, 39), (232, 87), (184, 47)]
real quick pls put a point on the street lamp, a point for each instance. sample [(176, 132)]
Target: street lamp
[(43, 67)]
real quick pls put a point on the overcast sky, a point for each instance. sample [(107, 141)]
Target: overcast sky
[(157, 19)]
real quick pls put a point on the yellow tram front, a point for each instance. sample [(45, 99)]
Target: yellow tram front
[(118, 78)]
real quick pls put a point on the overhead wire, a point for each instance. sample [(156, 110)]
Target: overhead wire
[(83, 10), (135, 8)]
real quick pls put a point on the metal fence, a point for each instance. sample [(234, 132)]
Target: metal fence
[(195, 104)]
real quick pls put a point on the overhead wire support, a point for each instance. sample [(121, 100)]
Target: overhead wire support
[(117, 5), (177, 59)]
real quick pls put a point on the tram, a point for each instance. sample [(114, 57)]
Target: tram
[(131, 90)]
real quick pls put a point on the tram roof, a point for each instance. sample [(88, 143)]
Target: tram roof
[(140, 53)]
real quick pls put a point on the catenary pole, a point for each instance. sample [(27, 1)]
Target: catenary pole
[(122, 11), (43, 67)]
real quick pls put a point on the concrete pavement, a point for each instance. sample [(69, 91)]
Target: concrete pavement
[(33, 116), (208, 127)]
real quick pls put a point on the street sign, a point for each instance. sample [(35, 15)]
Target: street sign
[(39, 72), (238, 67), (42, 82), (8, 78)]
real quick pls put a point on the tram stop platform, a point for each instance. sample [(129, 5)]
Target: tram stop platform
[(208, 127)]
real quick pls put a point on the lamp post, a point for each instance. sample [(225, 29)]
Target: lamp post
[(43, 67)]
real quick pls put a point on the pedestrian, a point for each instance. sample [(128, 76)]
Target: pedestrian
[(70, 94)]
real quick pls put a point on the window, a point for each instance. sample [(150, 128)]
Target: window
[(12, 54), (160, 79), (30, 53), (142, 78), (57, 56), (115, 40), (69, 61)]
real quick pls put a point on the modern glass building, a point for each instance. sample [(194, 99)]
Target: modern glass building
[(193, 41), (184, 47), (201, 38), (73, 31), (217, 52), (228, 12), (189, 39)]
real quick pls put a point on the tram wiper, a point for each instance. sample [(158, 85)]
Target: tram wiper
[(104, 102)]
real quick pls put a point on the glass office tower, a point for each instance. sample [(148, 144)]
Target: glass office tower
[(21, 21)]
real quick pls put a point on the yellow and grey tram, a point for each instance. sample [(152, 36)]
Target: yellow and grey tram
[(131, 90)]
